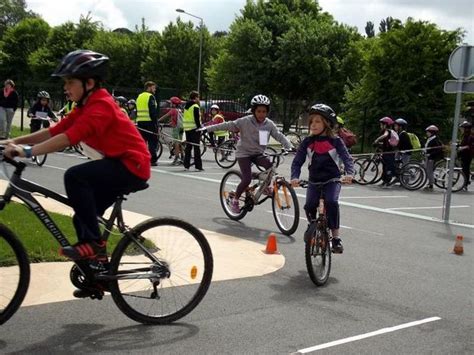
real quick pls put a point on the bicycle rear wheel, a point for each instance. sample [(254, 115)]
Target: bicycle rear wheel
[(229, 184), (225, 154), (368, 171), (459, 180), (412, 176), (285, 207), (14, 274), (161, 292), (318, 256)]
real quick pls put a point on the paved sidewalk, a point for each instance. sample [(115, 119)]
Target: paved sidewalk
[(233, 258)]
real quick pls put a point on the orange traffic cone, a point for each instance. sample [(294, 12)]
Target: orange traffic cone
[(458, 247), (271, 245)]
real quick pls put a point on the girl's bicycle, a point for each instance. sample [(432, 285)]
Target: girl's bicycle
[(159, 271), (265, 185), (441, 175), (317, 240)]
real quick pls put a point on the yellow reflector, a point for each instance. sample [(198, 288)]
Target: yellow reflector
[(194, 271)]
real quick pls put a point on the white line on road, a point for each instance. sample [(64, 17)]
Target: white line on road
[(366, 335), (424, 208), (372, 197)]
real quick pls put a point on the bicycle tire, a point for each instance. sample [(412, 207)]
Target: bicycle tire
[(412, 176), (40, 159), (318, 246), (281, 205), (275, 159), (180, 246), (226, 159), (227, 188), (459, 180), (159, 149), (13, 253), (368, 172), (203, 145)]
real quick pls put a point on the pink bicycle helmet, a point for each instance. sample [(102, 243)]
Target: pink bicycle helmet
[(386, 120), (176, 100)]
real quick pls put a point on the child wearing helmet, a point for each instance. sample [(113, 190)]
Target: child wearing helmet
[(40, 112), (122, 162), (433, 153), (388, 156), (255, 131), (323, 148), (131, 107), (466, 151), (404, 145), (176, 122), (216, 118)]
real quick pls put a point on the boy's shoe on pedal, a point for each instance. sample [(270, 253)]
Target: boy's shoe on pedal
[(86, 250), (337, 247)]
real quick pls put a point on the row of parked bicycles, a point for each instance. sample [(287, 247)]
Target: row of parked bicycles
[(412, 175)]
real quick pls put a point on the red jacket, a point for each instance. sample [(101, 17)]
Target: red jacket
[(103, 126)]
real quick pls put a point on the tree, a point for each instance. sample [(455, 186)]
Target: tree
[(12, 12), (19, 42), (369, 29), (405, 69), (289, 50)]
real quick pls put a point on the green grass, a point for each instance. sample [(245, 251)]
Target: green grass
[(39, 243), (16, 132)]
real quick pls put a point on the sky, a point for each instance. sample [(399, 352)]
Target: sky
[(217, 15)]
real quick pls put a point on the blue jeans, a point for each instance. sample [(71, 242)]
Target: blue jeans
[(331, 198), (93, 187)]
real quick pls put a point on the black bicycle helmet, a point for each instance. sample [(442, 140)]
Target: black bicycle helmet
[(82, 64), (325, 111), (121, 99), (43, 95)]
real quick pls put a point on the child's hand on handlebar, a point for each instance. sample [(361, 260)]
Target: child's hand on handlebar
[(347, 179), (12, 150), (295, 182)]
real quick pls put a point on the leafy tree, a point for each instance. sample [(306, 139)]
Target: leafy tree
[(369, 29), (19, 42), (12, 12), (290, 50), (405, 69)]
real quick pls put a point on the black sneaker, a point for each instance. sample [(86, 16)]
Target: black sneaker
[(310, 231), (86, 250), (337, 247), (89, 292)]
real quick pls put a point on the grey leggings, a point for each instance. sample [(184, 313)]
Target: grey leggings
[(430, 171)]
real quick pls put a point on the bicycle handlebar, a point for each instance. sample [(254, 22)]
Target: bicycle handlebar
[(306, 183)]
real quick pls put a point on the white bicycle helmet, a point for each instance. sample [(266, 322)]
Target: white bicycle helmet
[(43, 95), (260, 100), (216, 107)]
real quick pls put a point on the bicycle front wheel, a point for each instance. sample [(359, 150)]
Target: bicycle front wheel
[(285, 207), (412, 176), (225, 154), (14, 274), (159, 149), (40, 159), (163, 271), (318, 257)]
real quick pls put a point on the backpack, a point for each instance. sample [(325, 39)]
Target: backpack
[(348, 137), (415, 142), (394, 138)]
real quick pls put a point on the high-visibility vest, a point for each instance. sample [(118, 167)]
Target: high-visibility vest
[(69, 107), (188, 118), (219, 133), (143, 112)]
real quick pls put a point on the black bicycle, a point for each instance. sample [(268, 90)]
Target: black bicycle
[(317, 246), (159, 271)]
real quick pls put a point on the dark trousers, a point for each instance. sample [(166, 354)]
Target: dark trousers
[(245, 165), (94, 186), (193, 137), (388, 167), (149, 131), (331, 199), (466, 167), (36, 124)]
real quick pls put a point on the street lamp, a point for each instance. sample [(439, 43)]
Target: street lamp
[(200, 45)]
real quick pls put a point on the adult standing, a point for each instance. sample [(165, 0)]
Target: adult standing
[(466, 151), (8, 106), (147, 116), (191, 122)]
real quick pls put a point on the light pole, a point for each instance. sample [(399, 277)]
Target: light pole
[(201, 22)]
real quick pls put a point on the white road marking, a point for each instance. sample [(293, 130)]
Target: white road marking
[(366, 335), (424, 208), (191, 175), (372, 197)]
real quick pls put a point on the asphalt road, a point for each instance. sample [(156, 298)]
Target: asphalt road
[(397, 289)]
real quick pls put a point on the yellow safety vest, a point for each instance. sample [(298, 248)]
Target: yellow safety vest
[(188, 118), (143, 112), (220, 133)]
